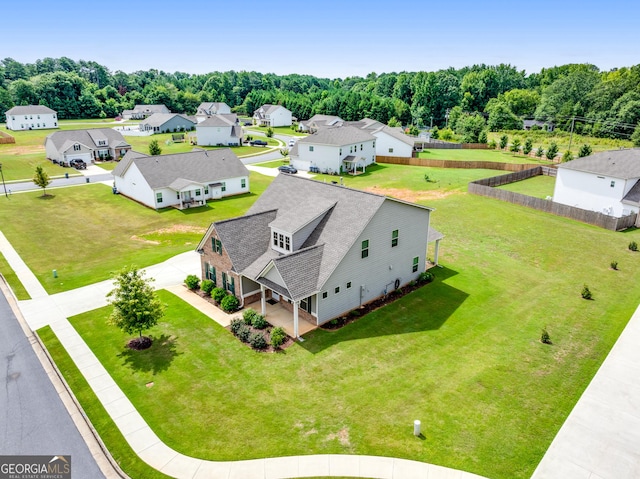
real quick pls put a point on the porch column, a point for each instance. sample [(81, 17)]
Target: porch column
[(296, 305), (435, 259), (263, 301)]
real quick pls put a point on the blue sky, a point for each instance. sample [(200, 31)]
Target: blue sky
[(324, 38)]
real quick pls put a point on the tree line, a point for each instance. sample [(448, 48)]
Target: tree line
[(469, 99)]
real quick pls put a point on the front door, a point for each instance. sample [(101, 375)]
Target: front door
[(275, 296)]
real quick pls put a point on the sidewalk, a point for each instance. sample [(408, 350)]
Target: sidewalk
[(53, 310)]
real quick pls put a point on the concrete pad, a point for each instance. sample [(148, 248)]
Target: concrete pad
[(213, 470), (277, 467), (312, 466), (376, 467), (253, 469), (405, 469), (182, 466), (344, 465)]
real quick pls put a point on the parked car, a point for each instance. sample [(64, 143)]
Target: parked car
[(258, 143), (292, 142), (287, 169), (78, 164)]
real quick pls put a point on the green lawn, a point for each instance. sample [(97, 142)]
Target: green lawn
[(278, 130), (539, 186), (86, 232), (480, 155), (118, 447), (462, 355), (273, 163), (12, 279)]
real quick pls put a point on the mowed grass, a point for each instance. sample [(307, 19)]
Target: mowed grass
[(481, 155), (86, 232), (462, 354), (12, 279), (278, 130), (539, 186)]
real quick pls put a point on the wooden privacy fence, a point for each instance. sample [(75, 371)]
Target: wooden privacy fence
[(445, 145), (471, 165), (487, 187), (5, 138)]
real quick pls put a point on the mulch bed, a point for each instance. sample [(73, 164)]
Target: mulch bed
[(140, 343)]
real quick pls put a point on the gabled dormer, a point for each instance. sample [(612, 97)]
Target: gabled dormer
[(292, 228)]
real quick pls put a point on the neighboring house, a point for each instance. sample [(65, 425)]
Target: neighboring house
[(87, 145), (220, 129), (167, 123), (207, 109), (316, 122), (334, 150), (390, 141), (182, 180), (140, 112), (543, 125), (31, 117), (272, 115), (606, 182), (319, 249)]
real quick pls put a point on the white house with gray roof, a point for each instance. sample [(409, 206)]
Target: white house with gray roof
[(272, 115), (140, 112), (334, 150), (207, 109), (219, 130), (319, 249), (606, 182), (86, 145), (390, 141), (167, 123), (31, 117), (182, 180)]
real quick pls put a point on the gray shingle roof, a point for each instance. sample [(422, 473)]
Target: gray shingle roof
[(300, 271), (266, 109), (223, 119), (203, 167), (30, 110), (159, 119), (210, 108), (397, 134), (339, 136), (150, 109), (307, 210), (87, 138), (624, 164)]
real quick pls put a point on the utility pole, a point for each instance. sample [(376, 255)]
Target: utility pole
[(571, 135), (3, 185)]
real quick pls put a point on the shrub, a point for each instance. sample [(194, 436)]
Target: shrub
[(492, 145), (614, 265), (257, 341), (425, 277), (586, 293), (218, 294), (552, 151), (568, 156), (259, 322), (504, 139), (207, 286), (633, 246), (355, 313), (482, 137), (278, 337), (544, 337), (585, 150), (515, 145), (249, 315), (236, 324), (528, 146), (540, 152), (269, 132), (446, 134), (192, 282), (229, 303), (244, 333)]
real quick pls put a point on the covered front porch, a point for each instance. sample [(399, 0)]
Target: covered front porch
[(277, 315), (189, 194)]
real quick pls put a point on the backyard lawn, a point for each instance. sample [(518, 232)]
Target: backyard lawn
[(539, 186), (462, 354), (278, 130), (87, 232), (481, 155)]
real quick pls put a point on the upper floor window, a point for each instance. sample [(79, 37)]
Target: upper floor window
[(365, 249), (216, 245), (310, 148), (394, 238), (76, 147), (243, 183)]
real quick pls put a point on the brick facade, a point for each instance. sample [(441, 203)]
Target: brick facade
[(222, 264), (302, 314)]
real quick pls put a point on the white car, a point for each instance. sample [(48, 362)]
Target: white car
[(292, 142)]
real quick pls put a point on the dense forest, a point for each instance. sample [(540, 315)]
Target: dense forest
[(602, 104)]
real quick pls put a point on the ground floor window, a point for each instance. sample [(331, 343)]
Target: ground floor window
[(159, 197), (416, 261), (305, 304)]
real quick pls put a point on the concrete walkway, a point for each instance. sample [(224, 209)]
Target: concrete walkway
[(53, 310)]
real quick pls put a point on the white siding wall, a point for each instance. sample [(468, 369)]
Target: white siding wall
[(592, 192), (51, 150), (384, 264), (213, 135), (384, 142), (26, 122), (301, 236), (328, 157), (281, 117), (234, 186), (135, 186)]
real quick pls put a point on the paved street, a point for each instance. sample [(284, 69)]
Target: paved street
[(34, 420)]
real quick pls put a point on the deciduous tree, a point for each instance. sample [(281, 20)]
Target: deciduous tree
[(41, 179)]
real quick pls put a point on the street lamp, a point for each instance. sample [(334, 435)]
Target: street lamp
[(3, 185)]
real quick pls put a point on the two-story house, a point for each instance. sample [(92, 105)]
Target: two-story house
[(31, 117), (87, 145), (207, 109), (140, 112), (220, 129), (318, 249), (335, 150), (272, 115)]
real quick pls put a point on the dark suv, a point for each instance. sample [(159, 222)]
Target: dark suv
[(78, 164), (258, 143)]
